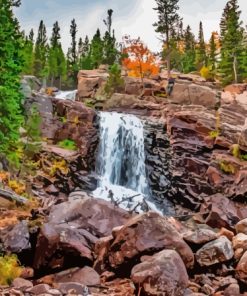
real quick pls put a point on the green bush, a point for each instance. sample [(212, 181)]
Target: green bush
[(9, 269), (67, 144), (114, 81)]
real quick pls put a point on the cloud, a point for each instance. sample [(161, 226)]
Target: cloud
[(134, 17)]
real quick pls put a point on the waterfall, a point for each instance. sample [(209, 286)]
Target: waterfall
[(121, 160), (66, 95)]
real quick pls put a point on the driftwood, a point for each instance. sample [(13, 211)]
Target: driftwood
[(13, 197)]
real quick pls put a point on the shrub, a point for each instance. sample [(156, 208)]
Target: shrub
[(67, 144), (205, 73), (114, 81), (227, 168), (214, 134), (9, 269)]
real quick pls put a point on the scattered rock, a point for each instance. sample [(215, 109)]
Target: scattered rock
[(241, 269), (241, 226), (219, 250), (21, 284), (162, 274)]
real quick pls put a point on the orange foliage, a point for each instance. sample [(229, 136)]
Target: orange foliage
[(140, 61)]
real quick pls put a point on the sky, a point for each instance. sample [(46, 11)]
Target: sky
[(132, 17)]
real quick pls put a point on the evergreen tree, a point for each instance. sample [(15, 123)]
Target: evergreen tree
[(56, 58), (110, 51), (40, 53), (72, 53), (201, 57), (212, 54), (84, 57), (28, 54), (96, 50), (114, 82), (11, 45), (189, 56), (167, 18), (243, 58), (231, 44)]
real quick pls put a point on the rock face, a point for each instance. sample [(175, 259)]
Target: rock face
[(89, 81), (73, 228), (141, 235), (219, 250), (162, 274)]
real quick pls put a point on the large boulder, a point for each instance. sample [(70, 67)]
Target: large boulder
[(89, 81), (73, 228), (219, 250), (162, 274), (144, 234), (16, 239)]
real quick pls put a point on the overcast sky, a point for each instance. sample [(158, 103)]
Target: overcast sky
[(132, 17)]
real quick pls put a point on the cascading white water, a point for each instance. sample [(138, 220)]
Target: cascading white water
[(66, 95), (121, 160)]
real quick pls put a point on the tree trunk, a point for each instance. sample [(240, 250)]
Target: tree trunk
[(235, 68), (168, 58)]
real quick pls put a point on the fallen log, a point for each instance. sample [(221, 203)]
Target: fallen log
[(13, 197)]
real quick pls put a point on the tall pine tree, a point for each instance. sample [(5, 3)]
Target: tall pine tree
[(189, 56), (213, 54), (11, 45), (167, 18), (28, 54), (40, 53), (201, 57), (72, 53), (231, 44), (96, 50)]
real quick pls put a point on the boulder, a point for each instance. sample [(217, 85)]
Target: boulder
[(16, 239), (145, 233), (241, 269), (239, 243), (219, 250), (162, 274), (200, 236), (222, 211), (72, 229), (237, 88), (85, 276), (21, 284), (89, 81), (241, 226)]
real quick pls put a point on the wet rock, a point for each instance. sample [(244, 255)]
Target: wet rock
[(146, 233), (162, 274), (219, 250), (16, 239), (73, 228), (241, 226)]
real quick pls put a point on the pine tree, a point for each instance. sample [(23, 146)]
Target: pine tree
[(84, 58), (201, 57), (110, 51), (243, 58), (28, 54), (167, 18), (212, 54), (72, 52), (56, 58), (189, 56), (11, 46), (96, 50), (231, 44), (40, 53)]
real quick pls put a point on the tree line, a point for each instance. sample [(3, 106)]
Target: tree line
[(224, 57), (46, 59)]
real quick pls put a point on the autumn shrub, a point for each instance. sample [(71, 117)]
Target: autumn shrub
[(9, 269), (214, 134), (226, 167), (59, 165), (206, 73)]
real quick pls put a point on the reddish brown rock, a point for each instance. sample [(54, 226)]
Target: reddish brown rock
[(241, 269), (162, 274), (146, 233), (73, 228), (241, 226), (236, 88), (219, 250), (239, 243), (200, 236)]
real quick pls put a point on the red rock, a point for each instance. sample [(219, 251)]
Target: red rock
[(219, 250), (22, 284), (241, 226), (162, 274), (239, 243), (236, 88), (73, 228), (146, 233), (241, 269)]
